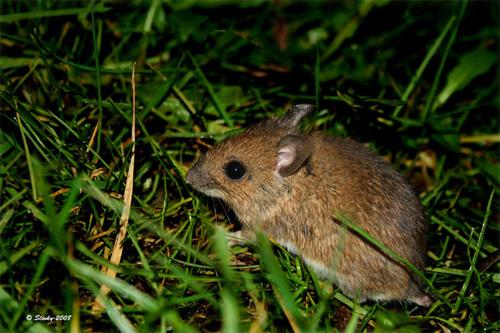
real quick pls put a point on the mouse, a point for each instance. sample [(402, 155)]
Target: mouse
[(292, 185)]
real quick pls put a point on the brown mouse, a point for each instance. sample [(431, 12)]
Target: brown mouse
[(291, 185)]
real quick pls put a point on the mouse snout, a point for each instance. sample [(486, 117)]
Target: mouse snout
[(191, 177), (197, 178)]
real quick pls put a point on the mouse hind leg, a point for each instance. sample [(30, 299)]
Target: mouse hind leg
[(422, 300), (419, 297)]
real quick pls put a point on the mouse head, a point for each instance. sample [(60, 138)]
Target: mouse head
[(254, 166)]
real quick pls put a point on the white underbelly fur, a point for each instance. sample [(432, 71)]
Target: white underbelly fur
[(320, 269)]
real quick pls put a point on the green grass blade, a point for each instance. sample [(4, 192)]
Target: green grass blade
[(213, 96), (352, 324), (5, 265), (317, 81), (9, 18), (119, 286), (230, 312), (42, 264), (223, 255), (96, 39), (179, 325), (278, 279), (117, 317), (473, 263), (430, 99), (28, 159), (8, 302), (470, 65), (420, 70)]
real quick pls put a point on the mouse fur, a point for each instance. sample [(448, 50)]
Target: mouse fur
[(291, 185)]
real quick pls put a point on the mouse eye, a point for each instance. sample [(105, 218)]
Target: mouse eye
[(235, 170)]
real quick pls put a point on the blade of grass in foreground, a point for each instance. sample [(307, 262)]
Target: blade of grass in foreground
[(223, 254), (476, 254), (352, 324), (90, 188), (177, 323), (86, 272), (281, 286), (230, 306), (116, 316), (230, 312)]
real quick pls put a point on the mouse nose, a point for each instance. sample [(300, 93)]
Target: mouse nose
[(189, 177), (197, 179)]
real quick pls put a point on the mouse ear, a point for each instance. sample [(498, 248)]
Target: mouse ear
[(293, 152), (292, 118)]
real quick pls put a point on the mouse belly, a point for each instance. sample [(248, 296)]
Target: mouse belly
[(375, 279), (323, 270), (358, 269)]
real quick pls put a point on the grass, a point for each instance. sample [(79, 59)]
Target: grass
[(417, 81)]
